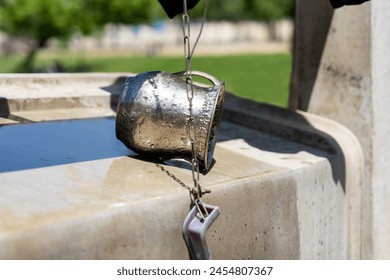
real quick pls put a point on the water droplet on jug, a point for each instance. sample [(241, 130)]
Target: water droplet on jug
[(150, 144)]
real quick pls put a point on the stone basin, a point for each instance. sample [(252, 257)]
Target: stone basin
[(286, 182)]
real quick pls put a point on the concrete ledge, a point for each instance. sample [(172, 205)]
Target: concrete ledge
[(320, 133), (38, 97), (288, 185)]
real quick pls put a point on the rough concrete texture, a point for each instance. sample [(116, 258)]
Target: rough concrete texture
[(288, 185), (341, 71)]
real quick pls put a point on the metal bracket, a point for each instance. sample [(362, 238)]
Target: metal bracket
[(195, 227)]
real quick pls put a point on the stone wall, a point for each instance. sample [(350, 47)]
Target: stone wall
[(341, 71)]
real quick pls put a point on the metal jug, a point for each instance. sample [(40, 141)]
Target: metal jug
[(153, 112)]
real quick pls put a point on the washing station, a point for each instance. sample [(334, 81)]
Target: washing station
[(71, 190)]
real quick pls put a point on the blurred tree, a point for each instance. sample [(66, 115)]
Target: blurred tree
[(263, 10), (118, 11), (266, 10), (220, 10), (41, 20), (270, 11)]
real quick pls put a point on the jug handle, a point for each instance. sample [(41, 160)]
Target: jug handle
[(199, 74)]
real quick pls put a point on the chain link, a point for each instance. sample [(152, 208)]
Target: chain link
[(195, 192), (177, 180)]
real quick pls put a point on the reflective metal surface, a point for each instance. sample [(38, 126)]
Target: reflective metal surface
[(153, 112)]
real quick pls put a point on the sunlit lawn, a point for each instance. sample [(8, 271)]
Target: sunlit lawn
[(262, 77)]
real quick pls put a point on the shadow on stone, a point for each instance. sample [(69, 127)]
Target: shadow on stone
[(6, 113), (288, 125), (115, 89), (312, 45)]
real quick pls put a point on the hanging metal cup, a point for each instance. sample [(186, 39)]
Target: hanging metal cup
[(153, 112)]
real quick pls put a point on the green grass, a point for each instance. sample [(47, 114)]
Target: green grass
[(261, 77)]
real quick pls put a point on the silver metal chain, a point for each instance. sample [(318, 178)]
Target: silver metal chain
[(200, 217), (196, 191)]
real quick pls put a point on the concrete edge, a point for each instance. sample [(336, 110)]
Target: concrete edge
[(350, 146), (318, 132), (30, 92)]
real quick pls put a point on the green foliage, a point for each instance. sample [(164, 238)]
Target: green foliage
[(270, 9), (40, 19), (43, 19), (118, 11), (266, 10)]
